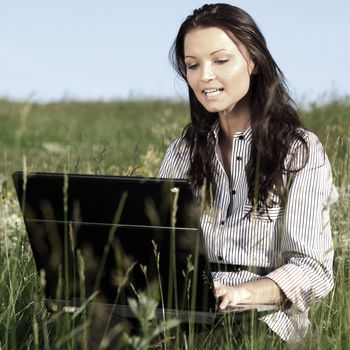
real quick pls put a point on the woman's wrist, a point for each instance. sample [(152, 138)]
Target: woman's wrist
[(263, 291)]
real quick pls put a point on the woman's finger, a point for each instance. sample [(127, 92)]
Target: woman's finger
[(224, 302), (230, 296), (219, 289)]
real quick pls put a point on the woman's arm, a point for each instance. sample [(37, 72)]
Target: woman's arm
[(176, 161), (263, 291), (306, 241)]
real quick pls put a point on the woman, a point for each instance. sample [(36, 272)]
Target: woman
[(266, 180)]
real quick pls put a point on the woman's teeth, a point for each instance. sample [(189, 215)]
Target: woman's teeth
[(212, 92)]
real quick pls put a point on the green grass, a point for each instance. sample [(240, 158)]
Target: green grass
[(121, 138), (76, 134)]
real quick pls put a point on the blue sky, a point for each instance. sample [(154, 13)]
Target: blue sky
[(54, 50)]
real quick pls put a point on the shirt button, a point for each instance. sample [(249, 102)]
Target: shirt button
[(239, 158), (223, 222), (233, 192), (241, 137), (220, 258)]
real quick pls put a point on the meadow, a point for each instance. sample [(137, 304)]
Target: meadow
[(130, 138)]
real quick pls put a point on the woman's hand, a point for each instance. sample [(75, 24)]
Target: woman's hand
[(263, 291), (230, 296)]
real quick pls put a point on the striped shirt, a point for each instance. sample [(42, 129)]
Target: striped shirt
[(295, 240)]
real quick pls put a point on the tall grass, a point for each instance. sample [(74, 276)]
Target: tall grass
[(120, 138), (93, 137)]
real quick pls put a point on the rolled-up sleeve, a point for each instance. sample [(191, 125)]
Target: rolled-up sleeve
[(306, 242)]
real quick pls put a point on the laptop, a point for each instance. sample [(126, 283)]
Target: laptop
[(108, 238), (105, 239)]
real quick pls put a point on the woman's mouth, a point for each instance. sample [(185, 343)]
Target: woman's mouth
[(212, 92)]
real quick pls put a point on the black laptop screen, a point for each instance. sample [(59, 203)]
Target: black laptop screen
[(117, 236)]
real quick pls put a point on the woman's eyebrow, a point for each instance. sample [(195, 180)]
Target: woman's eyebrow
[(212, 53)]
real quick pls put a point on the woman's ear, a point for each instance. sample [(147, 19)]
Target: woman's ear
[(252, 67), (255, 69)]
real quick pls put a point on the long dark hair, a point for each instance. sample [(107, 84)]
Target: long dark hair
[(274, 121)]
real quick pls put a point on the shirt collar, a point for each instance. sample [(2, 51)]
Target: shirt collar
[(245, 135)]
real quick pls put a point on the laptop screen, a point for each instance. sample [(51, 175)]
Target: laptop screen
[(113, 237)]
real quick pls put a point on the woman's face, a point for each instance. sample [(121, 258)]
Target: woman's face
[(218, 70)]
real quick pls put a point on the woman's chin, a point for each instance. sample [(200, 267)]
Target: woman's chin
[(217, 109), (211, 108)]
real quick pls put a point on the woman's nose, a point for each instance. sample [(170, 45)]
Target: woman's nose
[(207, 73)]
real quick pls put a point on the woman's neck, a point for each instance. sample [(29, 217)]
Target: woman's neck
[(231, 122), (237, 120)]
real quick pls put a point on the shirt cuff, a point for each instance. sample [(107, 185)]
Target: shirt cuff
[(295, 284)]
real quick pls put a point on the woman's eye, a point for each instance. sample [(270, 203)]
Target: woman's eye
[(221, 61), (192, 66)]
